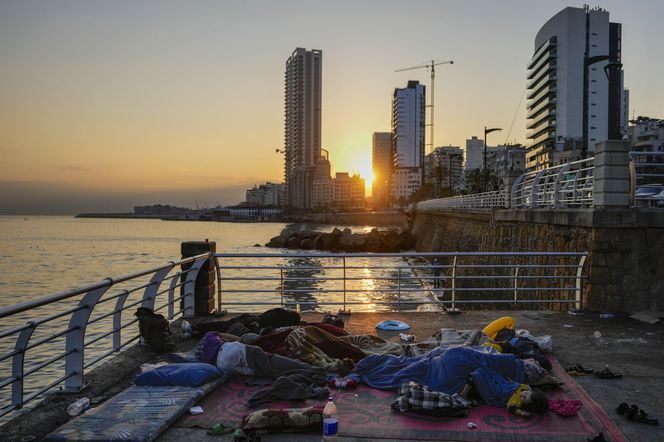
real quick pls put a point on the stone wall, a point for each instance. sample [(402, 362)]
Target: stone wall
[(625, 269)]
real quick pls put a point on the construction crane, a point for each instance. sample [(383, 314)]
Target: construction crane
[(429, 65)]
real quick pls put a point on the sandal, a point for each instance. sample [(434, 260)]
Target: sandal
[(607, 374), (622, 408)]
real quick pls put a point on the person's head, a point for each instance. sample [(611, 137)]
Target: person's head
[(535, 401)]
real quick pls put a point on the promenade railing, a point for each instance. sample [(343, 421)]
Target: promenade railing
[(398, 281), (52, 341), (567, 185), (485, 200)]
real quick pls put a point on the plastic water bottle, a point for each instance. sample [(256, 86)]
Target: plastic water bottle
[(330, 421), (186, 329), (79, 405)]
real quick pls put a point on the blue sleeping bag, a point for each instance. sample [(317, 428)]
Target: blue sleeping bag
[(443, 369)]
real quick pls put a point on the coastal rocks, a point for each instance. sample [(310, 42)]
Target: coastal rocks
[(380, 241)]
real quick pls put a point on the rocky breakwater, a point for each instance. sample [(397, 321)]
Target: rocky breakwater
[(377, 241)]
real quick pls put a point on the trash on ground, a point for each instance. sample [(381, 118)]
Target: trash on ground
[(597, 334), (196, 410), (406, 338), (568, 325), (471, 425)]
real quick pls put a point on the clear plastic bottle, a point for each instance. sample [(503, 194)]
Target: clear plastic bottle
[(186, 329), (79, 405), (330, 421)]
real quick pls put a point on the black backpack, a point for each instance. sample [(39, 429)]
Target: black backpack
[(154, 330)]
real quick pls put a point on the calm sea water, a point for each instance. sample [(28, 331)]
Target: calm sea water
[(40, 255)]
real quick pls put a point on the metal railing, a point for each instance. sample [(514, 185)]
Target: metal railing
[(484, 200), (567, 185), (341, 278), (38, 332), (646, 168)]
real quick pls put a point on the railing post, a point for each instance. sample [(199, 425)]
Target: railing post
[(344, 261), (18, 364), (150, 293), (399, 288), (454, 267), (557, 186), (579, 283), (218, 271), (281, 270), (117, 320), (533, 189), (171, 295), (513, 191), (516, 286), (189, 289), (75, 342)]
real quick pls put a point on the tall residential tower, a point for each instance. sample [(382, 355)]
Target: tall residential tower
[(556, 84), (408, 109), (381, 165), (302, 127)]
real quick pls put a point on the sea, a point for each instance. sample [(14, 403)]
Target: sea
[(42, 255)]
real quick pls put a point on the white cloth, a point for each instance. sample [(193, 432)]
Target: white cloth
[(232, 356)]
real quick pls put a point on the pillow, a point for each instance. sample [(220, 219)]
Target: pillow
[(188, 374)]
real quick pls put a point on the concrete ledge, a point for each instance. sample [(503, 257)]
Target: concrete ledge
[(566, 217)]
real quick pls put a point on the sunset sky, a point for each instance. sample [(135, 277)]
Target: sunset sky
[(109, 104)]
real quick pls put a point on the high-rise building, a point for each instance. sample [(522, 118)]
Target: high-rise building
[(556, 84), (474, 153), (408, 110), (302, 127), (443, 170), (381, 164)]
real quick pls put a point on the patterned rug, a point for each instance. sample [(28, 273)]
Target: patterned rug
[(365, 412)]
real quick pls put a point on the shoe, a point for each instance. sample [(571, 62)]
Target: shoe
[(598, 438), (607, 374), (622, 408)]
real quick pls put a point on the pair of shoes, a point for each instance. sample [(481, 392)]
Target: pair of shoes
[(578, 370), (635, 414), (607, 374), (598, 438)]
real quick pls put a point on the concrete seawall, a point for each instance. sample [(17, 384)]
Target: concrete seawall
[(626, 264)]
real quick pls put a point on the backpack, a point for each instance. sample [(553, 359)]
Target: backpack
[(154, 329)]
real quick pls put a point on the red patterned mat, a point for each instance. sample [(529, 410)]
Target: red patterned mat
[(365, 412)]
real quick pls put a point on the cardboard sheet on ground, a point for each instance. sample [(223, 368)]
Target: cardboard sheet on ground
[(366, 412)]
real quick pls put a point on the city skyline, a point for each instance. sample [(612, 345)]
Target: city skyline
[(111, 105)]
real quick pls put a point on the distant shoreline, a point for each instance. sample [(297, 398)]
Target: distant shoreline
[(347, 218)]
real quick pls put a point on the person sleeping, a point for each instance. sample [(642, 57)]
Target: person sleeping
[(500, 379)]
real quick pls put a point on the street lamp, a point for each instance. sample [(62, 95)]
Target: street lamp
[(612, 66), (487, 131)]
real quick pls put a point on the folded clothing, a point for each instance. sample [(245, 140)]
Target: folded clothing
[(284, 420), (418, 398), (564, 407)]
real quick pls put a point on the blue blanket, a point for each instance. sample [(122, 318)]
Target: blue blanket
[(443, 369)]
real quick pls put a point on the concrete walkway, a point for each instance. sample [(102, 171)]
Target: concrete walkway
[(629, 347)]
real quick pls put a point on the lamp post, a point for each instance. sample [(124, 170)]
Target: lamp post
[(486, 176)]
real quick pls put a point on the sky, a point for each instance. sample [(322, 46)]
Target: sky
[(109, 104)]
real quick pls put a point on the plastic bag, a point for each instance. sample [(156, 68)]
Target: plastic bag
[(544, 342)]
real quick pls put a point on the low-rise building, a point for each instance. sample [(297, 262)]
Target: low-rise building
[(268, 194), (506, 162), (405, 182)]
